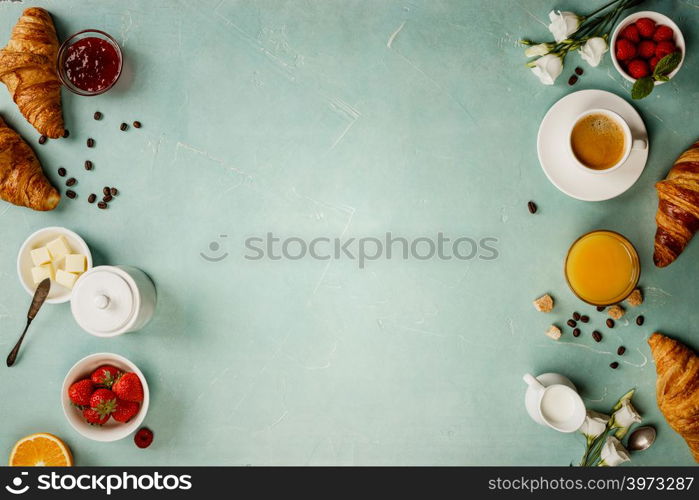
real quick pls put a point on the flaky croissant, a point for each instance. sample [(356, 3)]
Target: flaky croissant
[(28, 68), (677, 389), (678, 208), (22, 180)]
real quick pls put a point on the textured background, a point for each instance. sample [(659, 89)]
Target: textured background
[(329, 118)]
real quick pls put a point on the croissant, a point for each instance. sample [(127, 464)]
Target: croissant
[(28, 68), (677, 389), (678, 207), (22, 180)]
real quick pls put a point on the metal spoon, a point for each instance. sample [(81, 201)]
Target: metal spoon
[(40, 295), (641, 439)]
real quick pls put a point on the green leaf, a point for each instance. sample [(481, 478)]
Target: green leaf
[(662, 78), (668, 64), (642, 88), (625, 397)]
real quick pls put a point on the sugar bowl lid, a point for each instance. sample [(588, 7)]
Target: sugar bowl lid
[(104, 301)]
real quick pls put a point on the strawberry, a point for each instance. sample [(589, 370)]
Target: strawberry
[(664, 48), (663, 34), (80, 392), (128, 387), (653, 63), (646, 27), (646, 49), (631, 33), (625, 50), (103, 401), (125, 410), (94, 417), (144, 437), (105, 375), (638, 68)]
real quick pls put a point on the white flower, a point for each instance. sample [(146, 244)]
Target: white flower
[(624, 418), (547, 68), (613, 453), (538, 50), (594, 425), (563, 24), (593, 50)]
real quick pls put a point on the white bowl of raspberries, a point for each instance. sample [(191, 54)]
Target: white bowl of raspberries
[(105, 397), (641, 40)]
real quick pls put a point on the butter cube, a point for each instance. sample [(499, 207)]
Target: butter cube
[(40, 256), (65, 278), (40, 273), (75, 263), (58, 248)]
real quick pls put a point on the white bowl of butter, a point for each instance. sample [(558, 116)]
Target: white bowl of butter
[(57, 253)]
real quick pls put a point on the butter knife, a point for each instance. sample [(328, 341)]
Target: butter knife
[(42, 291)]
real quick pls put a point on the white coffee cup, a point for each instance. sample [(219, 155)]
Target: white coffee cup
[(630, 144), (557, 405)]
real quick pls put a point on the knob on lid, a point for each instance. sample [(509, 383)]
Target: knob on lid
[(103, 301)]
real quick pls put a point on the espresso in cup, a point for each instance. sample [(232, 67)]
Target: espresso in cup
[(598, 141)]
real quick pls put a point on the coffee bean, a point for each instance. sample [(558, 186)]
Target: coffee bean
[(123, 127), (90, 143), (610, 323), (71, 182), (532, 207), (88, 165), (43, 139), (137, 124), (614, 365), (97, 115), (62, 172), (576, 332), (576, 316), (106, 190), (102, 205), (573, 80), (92, 198), (600, 308), (66, 133), (114, 191), (621, 350), (597, 336), (585, 318), (571, 323), (640, 320), (107, 198), (579, 71), (71, 194)]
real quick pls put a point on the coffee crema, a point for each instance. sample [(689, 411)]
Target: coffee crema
[(598, 141)]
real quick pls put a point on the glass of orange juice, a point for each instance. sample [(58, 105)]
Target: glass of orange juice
[(602, 268)]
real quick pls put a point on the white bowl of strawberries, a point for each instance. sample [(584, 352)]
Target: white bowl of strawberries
[(641, 40), (105, 397)]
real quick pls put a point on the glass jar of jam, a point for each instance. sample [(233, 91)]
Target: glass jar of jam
[(89, 62)]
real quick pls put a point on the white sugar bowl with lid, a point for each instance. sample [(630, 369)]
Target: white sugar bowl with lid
[(110, 300)]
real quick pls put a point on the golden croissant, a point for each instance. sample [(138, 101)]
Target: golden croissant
[(678, 208), (28, 68), (22, 180), (677, 389)]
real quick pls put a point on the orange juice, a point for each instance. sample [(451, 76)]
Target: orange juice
[(602, 268)]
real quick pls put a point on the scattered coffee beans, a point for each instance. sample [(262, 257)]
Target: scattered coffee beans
[(610, 323), (137, 124), (92, 198), (576, 316), (102, 205), (71, 182), (62, 172), (576, 332), (621, 350), (597, 336), (532, 207), (579, 71), (107, 198), (585, 318), (97, 115), (90, 143), (43, 139), (106, 190), (614, 365), (114, 191), (573, 80), (571, 323), (66, 133), (71, 194), (88, 165), (123, 127), (600, 308), (640, 320)]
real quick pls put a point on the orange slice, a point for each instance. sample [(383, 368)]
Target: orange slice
[(40, 450)]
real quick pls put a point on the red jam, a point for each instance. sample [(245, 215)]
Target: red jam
[(92, 64)]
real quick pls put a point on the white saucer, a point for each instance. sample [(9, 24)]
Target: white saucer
[(557, 161)]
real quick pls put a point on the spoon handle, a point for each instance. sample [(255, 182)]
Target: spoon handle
[(13, 354)]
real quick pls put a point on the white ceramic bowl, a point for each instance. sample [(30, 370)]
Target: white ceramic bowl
[(112, 430), (58, 293), (659, 19)]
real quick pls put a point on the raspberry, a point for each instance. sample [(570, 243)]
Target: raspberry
[(638, 68), (625, 50), (664, 34), (664, 48), (631, 33), (653, 63), (646, 49), (646, 27), (144, 437)]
